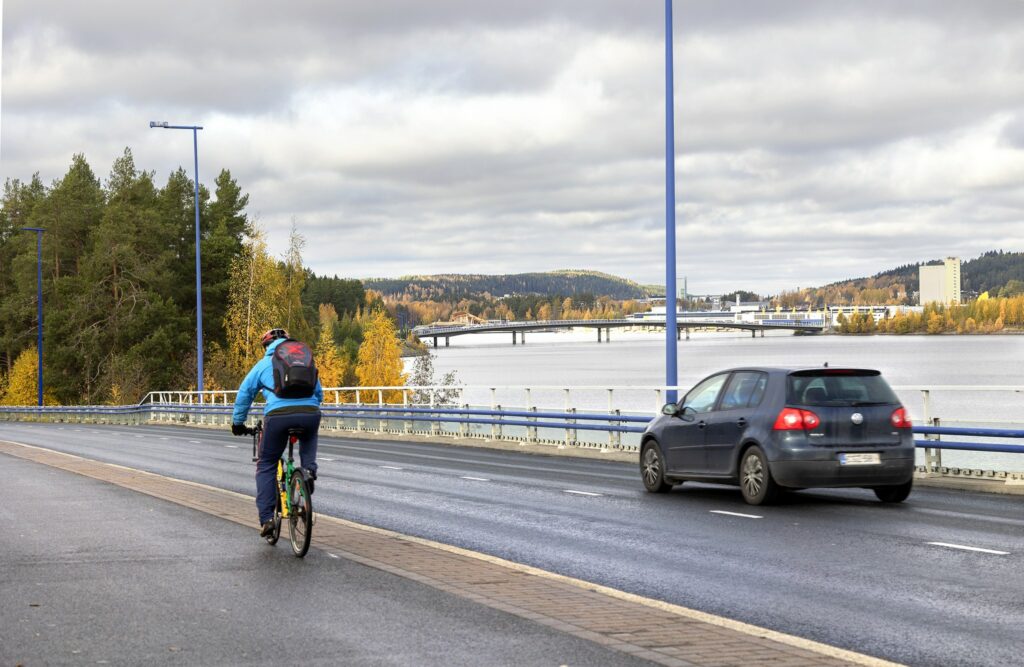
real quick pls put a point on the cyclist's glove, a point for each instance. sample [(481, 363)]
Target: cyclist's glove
[(239, 429)]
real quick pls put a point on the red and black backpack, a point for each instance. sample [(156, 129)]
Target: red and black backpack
[(295, 371)]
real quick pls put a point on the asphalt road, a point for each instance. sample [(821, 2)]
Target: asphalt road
[(833, 566), (91, 573)]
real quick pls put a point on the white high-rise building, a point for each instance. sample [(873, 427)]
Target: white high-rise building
[(940, 283)]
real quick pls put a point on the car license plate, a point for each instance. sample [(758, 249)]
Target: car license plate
[(860, 459)]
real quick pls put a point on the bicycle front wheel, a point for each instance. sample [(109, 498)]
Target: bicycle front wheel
[(300, 518)]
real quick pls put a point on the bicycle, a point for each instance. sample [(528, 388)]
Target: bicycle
[(293, 501)]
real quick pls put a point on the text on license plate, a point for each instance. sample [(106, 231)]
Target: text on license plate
[(859, 459)]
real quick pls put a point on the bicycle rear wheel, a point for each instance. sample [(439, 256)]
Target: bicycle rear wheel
[(276, 535), (300, 519)]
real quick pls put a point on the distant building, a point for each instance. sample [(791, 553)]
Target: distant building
[(940, 283)]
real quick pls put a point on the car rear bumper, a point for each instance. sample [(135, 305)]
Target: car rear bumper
[(830, 473)]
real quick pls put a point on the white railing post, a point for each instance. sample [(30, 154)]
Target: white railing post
[(932, 455), (531, 431), (380, 405), (567, 440), (435, 420), (406, 425), (611, 411), (494, 407), (359, 417)]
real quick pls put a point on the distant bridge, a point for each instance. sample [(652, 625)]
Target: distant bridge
[(519, 329)]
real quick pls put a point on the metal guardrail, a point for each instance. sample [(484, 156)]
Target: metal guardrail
[(381, 416)]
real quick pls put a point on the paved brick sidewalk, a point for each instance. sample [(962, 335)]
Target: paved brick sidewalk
[(659, 632)]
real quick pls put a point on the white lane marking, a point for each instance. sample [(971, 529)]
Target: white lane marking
[(165, 438), (392, 468), (581, 493), (745, 516), (476, 479), (140, 436), (231, 446), (196, 442), (325, 459), (333, 555), (77, 430), (967, 548)]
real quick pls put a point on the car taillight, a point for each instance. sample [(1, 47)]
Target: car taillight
[(791, 419), (900, 419)]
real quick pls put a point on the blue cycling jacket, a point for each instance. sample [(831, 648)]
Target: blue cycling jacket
[(262, 377)]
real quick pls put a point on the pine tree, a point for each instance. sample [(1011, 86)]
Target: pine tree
[(380, 361)]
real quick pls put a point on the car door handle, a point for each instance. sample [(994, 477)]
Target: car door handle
[(741, 422), (701, 424)]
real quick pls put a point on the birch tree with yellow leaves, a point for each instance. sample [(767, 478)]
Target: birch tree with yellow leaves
[(23, 382), (332, 366), (380, 356)]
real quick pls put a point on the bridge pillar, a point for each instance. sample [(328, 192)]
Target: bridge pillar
[(608, 335), (513, 337), (447, 341), (599, 334), (687, 334), (762, 333), (522, 338), (753, 333), (435, 341)]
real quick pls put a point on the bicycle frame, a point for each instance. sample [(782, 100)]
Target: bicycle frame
[(285, 469)]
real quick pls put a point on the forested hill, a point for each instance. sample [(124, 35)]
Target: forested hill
[(988, 273), (453, 287), (997, 272)]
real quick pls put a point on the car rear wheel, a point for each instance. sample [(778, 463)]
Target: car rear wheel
[(756, 482), (652, 469), (894, 494)]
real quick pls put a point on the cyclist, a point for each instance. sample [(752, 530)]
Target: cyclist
[(279, 415)]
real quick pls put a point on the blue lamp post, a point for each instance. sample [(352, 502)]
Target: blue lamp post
[(39, 307), (671, 367), (199, 273)]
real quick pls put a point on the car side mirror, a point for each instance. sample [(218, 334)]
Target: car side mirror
[(670, 409), (688, 414)]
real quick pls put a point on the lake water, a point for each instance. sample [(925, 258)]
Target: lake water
[(637, 359)]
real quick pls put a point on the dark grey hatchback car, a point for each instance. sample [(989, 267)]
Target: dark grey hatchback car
[(769, 429)]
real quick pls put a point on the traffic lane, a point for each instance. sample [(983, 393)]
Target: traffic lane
[(897, 595), (707, 562), (213, 457), (100, 574), (167, 452)]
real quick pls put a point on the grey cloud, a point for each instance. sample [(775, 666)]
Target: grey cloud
[(817, 140)]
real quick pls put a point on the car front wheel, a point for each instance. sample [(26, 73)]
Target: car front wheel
[(652, 469), (894, 494), (756, 482)]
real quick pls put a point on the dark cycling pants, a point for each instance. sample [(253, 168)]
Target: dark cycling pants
[(272, 446)]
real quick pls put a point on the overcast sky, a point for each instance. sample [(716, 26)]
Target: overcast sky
[(816, 140)]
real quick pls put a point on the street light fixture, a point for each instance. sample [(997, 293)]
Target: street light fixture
[(162, 124), (39, 307)]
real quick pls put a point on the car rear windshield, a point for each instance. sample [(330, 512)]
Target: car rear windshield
[(838, 386)]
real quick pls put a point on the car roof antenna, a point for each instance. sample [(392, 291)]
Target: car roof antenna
[(826, 364)]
